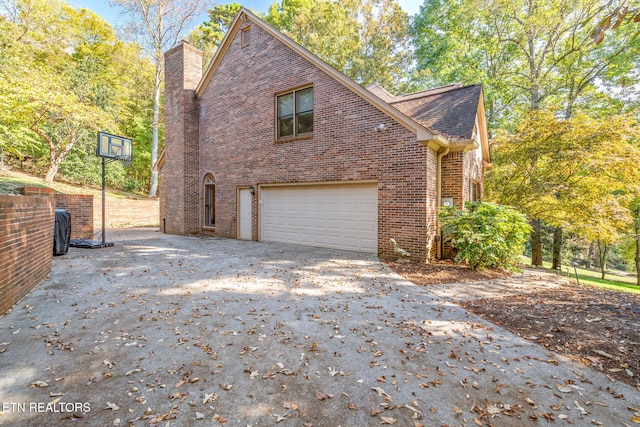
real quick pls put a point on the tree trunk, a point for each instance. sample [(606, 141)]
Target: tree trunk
[(55, 156), (603, 254), (590, 254), (637, 239), (557, 248), (53, 169), (159, 64), (153, 190), (536, 243)]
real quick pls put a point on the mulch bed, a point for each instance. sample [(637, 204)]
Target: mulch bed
[(597, 327)]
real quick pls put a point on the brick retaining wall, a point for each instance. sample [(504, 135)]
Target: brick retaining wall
[(26, 245), (80, 206)]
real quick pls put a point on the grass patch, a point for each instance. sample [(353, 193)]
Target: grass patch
[(612, 281), (11, 181), (606, 283), (11, 185)]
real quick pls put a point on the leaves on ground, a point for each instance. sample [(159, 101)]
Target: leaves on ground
[(595, 326)]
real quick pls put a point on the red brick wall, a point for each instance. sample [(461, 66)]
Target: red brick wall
[(452, 178), (179, 175), (26, 245), (473, 171), (237, 131), (459, 170), (32, 190), (80, 206)]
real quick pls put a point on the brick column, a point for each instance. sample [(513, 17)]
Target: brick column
[(179, 175)]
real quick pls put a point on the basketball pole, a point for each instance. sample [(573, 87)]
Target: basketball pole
[(103, 203)]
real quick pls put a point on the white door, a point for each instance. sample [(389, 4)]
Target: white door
[(244, 212), (329, 216)]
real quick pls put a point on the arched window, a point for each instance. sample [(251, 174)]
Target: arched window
[(209, 201)]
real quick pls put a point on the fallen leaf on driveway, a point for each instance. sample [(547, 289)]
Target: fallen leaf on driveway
[(39, 384), (290, 405), (388, 420), (279, 418), (199, 416), (210, 397), (219, 419), (580, 408), (416, 412), (564, 388), (380, 391), (320, 395), (111, 406)]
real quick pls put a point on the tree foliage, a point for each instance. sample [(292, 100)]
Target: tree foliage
[(208, 35), (64, 76), (368, 40), (529, 54), (486, 235), (158, 25), (625, 12), (578, 173)]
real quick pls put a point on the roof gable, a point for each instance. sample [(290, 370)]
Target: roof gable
[(423, 134)]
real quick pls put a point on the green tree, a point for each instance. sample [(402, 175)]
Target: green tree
[(576, 173), (65, 75), (633, 234), (368, 40), (52, 92), (530, 55), (208, 35), (159, 24)]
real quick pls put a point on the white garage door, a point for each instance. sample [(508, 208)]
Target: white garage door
[(328, 216)]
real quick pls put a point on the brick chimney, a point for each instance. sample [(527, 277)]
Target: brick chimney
[(179, 175)]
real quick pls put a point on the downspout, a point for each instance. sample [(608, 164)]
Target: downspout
[(441, 153)]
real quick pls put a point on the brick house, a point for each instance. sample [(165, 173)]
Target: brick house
[(272, 144)]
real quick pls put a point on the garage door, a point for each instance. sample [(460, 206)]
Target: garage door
[(328, 216)]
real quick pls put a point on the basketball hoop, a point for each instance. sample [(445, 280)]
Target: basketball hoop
[(111, 148), (124, 160)]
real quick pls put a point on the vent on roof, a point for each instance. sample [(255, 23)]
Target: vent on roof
[(245, 36)]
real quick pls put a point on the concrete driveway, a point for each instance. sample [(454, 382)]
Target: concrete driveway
[(165, 330)]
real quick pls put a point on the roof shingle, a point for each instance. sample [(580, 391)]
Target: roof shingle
[(450, 110)]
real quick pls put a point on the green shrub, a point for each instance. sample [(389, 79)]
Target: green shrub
[(486, 235)]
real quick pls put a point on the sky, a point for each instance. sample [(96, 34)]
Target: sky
[(111, 13)]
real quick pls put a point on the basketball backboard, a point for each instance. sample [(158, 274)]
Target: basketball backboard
[(113, 146)]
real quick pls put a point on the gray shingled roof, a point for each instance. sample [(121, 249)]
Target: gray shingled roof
[(450, 110)]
